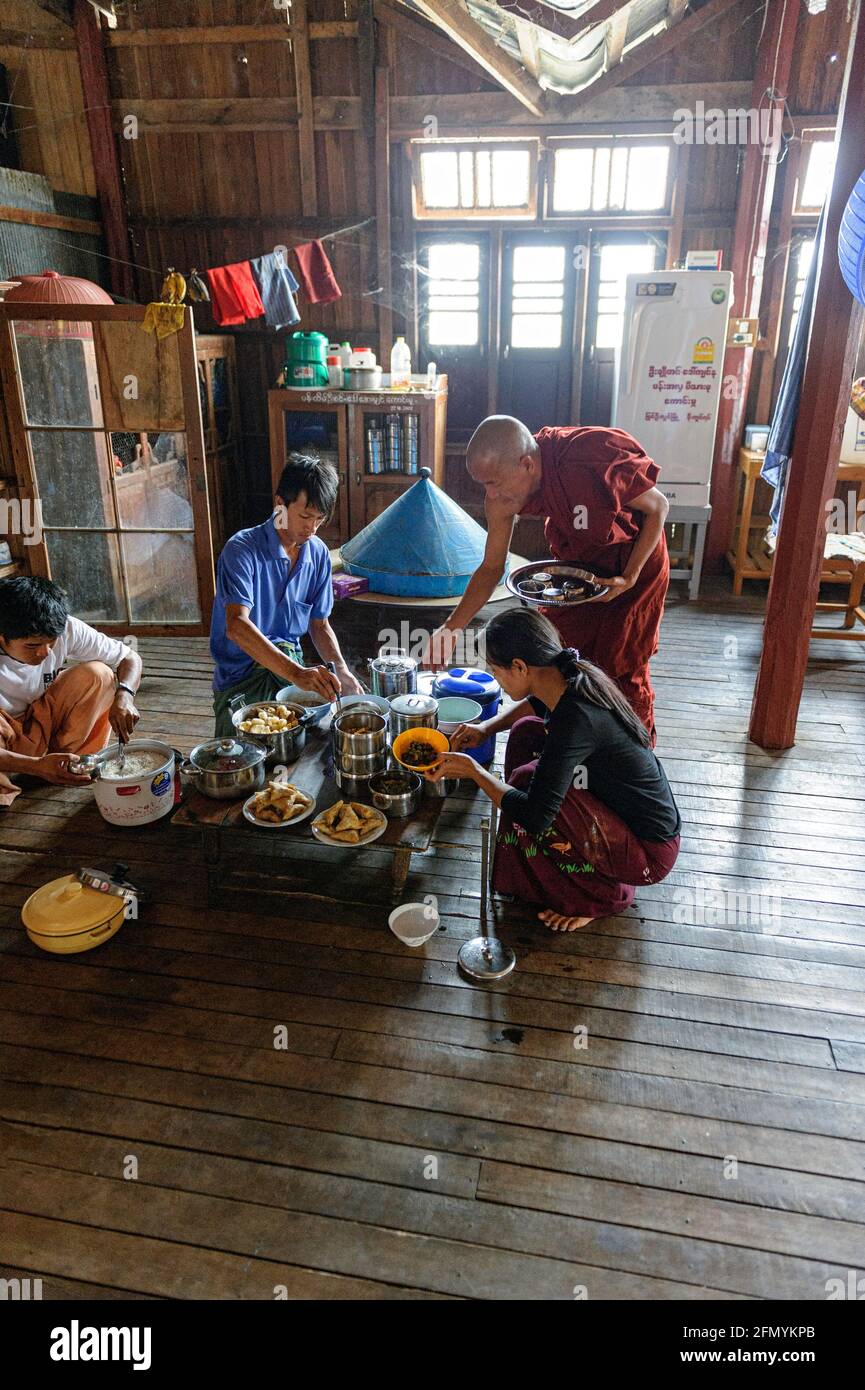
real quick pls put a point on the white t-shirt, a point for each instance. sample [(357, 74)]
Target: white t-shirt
[(21, 684)]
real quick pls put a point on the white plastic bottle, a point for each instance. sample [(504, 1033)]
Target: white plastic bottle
[(400, 365), (345, 354)]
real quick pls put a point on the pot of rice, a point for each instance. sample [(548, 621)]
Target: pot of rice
[(142, 791)]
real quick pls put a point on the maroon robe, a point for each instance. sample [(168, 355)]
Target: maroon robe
[(602, 471)]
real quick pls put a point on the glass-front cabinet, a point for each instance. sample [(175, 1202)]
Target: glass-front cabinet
[(106, 433), (377, 440)]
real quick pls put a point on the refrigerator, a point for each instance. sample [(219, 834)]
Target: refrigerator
[(670, 373)]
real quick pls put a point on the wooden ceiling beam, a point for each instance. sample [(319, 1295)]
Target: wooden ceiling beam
[(58, 9), (455, 21), (617, 28), (413, 26), (36, 38), (641, 54), (193, 34), (469, 113)]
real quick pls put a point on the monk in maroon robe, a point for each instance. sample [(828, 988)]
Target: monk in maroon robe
[(595, 489)]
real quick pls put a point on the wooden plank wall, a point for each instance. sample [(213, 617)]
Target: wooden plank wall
[(39, 55)]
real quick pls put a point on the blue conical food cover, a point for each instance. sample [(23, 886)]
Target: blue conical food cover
[(422, 546)]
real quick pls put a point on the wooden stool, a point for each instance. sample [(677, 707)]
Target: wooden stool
[(844, 563)]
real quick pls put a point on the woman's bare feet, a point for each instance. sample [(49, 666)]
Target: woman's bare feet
[(556, 922)]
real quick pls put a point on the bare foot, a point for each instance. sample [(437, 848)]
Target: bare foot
[(556, 922)]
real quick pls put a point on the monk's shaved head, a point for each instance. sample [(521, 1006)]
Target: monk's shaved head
[(503, 456), (500, 439)]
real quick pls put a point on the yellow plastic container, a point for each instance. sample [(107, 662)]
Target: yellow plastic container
[(66, 915), (434, 737)]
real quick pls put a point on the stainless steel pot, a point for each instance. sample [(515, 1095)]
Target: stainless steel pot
[(353, 786), (396, 804), (446, 787), (358, 735), (283, 747), (360, 748), (412, 712), (393, 673), (226, 768)]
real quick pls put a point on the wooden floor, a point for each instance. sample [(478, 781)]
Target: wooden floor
[(418, 1137)]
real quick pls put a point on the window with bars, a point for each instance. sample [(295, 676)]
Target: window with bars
[(818, 166), (452, 294), (475, 180), (537, 296), (609, 178), (802, 264)]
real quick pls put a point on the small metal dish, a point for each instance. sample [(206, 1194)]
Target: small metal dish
[(396, 804)]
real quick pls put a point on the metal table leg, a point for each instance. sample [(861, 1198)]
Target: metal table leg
[(399, 869), (485, 957)]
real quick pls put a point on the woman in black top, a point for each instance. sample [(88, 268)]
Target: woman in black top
[(587, 811)]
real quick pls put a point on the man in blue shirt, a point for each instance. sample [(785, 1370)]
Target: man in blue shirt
[(273, 586)]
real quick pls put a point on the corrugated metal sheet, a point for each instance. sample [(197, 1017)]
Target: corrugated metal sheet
[(26, 250), (19, 190), (30, 250)]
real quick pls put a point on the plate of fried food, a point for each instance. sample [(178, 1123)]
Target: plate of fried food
[(279, 805), (349, 823)]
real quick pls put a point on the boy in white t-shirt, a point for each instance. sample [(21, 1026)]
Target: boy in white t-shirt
[(49, 715)]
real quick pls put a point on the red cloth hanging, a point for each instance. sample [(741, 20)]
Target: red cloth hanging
[(315, 273), (234, 294)]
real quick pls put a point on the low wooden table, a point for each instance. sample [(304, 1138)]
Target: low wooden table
[(228, 837)]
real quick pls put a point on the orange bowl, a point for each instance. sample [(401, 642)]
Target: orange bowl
[(422, 735)]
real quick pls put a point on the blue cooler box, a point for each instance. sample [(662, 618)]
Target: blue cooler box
[(473, 685)]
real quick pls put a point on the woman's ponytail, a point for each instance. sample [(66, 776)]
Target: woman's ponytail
[(568, 662)]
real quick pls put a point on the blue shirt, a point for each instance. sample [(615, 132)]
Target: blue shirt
[(254, 570)]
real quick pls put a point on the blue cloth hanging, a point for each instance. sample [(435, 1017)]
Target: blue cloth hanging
[(277, 287), (783, 430)]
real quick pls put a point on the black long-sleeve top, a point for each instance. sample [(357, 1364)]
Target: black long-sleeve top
[(619, 770)]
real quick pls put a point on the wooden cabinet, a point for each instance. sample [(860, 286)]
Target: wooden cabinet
[(220, 416), (344, 427)]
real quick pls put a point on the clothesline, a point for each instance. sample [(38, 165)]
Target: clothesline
[(152, 270)]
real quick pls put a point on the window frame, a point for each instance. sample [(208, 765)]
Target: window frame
[(807, 212), (422, 213), (610, 142)]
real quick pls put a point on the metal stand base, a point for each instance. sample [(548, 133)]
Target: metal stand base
[(486, 958)]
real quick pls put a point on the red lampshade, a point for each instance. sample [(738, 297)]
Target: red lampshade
[(53, 288)]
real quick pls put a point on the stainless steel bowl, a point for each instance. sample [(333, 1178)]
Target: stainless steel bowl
[(396, 804), (283, 747), (225, 783)]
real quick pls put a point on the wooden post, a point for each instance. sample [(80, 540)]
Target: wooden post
[(106, 162), (299, 33), (750, 240), (382, 215), (835, 328)]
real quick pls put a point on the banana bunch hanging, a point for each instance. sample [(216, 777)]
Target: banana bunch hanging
[(166, 315), (173, 287)]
